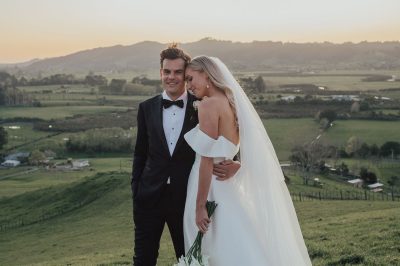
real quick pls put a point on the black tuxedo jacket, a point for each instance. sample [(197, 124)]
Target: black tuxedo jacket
[(152, 162)]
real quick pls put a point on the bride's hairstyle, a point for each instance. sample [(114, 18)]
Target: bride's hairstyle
[(205, 64)]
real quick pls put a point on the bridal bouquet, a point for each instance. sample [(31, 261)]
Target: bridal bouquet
[(194, 257)]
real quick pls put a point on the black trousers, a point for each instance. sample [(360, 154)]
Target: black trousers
[(149, 225)]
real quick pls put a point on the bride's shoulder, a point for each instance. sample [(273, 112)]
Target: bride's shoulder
[(208, 103)]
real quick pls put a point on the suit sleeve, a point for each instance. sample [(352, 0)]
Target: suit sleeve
[(141, 150)]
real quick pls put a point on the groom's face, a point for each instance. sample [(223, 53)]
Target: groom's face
[(173, 77)]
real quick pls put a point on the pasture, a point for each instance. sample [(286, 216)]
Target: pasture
[(100, 229)]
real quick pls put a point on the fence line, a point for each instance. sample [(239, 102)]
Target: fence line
[(343, 195)]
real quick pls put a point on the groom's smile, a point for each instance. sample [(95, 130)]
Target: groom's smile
[(172, 77)]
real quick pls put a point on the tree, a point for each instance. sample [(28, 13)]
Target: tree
[(36, 157), (353, 145), (368, 177), (93, 80), (393, 181), (308, 97), (3, 137), (309, 157), (374, 150), (343, 169), (355, 107), (364, 150), (390, 148), (117, 85), (364, 106), (324, 123), (3, 96), (328, 114), (259, 84)]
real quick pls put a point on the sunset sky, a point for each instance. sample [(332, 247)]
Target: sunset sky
[(47, 28)]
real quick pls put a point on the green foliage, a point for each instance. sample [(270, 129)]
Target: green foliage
[(56, 79), (355, 107), (36, 157), (95, 80), (101, 140), (343, 169), (390, 148), (349, 259), (7, 80), (259, 84), (146, 81), (251, 85), (3, 137), (330, 115), (367, 176), (353, 145), (364, 150), (116, 85), (394, 181), (12, 96), (375, 78)]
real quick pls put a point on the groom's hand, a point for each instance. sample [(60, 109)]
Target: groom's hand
[(226, 169)]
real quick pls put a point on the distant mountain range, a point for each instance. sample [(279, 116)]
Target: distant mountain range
[(256, 55)]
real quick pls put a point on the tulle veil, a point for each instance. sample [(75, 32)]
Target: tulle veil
[(261, 186)]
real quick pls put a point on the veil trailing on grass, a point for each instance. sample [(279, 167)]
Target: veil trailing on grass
[(261, 186)]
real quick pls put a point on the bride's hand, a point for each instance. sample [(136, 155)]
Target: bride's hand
[(202, 220)]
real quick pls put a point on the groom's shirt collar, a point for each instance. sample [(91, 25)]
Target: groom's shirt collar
[(183, 97)]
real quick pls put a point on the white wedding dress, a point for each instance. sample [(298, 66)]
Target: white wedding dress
[(255, 222), (230, 239)]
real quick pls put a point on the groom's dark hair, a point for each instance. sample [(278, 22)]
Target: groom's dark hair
[(173, 52)]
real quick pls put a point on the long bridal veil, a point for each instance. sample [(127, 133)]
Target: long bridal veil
[(260, 183)]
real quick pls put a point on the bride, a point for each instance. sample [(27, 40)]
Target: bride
[(255, 222)]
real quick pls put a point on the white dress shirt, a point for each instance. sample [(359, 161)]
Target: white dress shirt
[(173, 118)]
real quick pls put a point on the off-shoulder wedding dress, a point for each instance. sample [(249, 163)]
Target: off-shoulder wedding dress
[(255, 223)]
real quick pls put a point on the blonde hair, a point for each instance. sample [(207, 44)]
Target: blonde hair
[(205, 64)]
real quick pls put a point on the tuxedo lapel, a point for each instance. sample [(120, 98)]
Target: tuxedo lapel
[(190, 116), (159, 124)]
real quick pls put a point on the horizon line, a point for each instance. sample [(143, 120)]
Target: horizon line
[(23, 61)]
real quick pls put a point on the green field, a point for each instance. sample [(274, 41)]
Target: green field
[(383, 169), (284, 133), (21, 133), (287, 133), (100, 230), (55, 88), (55, 112), (50, 217), (371, 132), (83, 96), (342, 83), (22, 180)]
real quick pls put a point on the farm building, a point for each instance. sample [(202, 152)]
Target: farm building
[(10, 163)]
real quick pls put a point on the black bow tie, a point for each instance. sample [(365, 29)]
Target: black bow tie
[(167, 103)]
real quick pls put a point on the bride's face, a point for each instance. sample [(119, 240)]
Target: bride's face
[(197, 82)]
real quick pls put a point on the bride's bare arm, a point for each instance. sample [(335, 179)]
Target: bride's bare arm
[(208, 121)]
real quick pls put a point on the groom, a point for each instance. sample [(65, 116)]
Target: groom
[(163, 160)]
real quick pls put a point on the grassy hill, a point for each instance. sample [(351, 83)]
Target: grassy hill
[(89, 222), (50, 217)]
